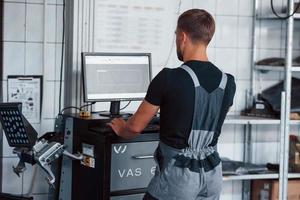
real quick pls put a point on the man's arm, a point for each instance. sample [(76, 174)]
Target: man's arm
[(136, 123)]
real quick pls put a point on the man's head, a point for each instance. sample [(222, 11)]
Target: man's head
[(194, 27)]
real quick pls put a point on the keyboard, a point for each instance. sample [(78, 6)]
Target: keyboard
[(103, 129), (151, 128)]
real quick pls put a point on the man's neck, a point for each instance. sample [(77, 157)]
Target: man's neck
[(203, 58), (196, 53)]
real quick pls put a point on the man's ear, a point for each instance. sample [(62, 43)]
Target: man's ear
[(184, 37)]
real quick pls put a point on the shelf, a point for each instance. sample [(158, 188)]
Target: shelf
[(238, 119), (273, 17), (294, 175), (258, 176), (250, 177), (294, 122), (275, 68), (296, 69)]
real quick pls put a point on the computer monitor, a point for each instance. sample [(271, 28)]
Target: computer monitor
[(115, 77)]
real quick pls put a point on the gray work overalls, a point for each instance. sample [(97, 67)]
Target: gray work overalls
[(195, 172)]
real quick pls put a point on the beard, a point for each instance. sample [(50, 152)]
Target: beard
[(179, 55)]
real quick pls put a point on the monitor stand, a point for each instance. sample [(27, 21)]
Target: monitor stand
[(114, 111)]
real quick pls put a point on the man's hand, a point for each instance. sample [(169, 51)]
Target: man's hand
[(135, 124), (118, 125)]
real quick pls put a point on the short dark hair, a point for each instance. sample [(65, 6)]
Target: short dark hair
[(198, 24)]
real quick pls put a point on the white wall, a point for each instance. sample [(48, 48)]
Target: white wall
[(230, 50), (23, 55)]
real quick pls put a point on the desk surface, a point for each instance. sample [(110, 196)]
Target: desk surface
[(97, 125)]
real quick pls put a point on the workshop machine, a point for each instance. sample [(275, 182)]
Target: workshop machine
[(108, 167), (26, 144)]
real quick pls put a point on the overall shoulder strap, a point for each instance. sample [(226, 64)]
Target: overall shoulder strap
[(192, 74), (223, 82)]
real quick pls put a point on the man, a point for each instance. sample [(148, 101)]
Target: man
[(193, 100)]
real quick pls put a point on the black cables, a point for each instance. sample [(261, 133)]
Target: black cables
[(281, 17)]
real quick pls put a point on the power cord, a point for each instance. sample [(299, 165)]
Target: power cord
[(77, 108), (102, 111), (62, 57), (69, 107), (286, 17), (87, 105), (173, 40), (125, 106)]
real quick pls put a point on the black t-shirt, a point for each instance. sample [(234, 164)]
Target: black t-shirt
[(173, 90)]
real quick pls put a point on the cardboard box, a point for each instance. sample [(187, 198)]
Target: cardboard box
[(268, 189)]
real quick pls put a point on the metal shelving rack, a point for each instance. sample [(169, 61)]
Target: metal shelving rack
[(284, 120), (248, 122)]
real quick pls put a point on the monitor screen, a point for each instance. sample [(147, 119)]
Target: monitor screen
[(113, 77)]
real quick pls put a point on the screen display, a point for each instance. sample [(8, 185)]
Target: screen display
[(109, 77)]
